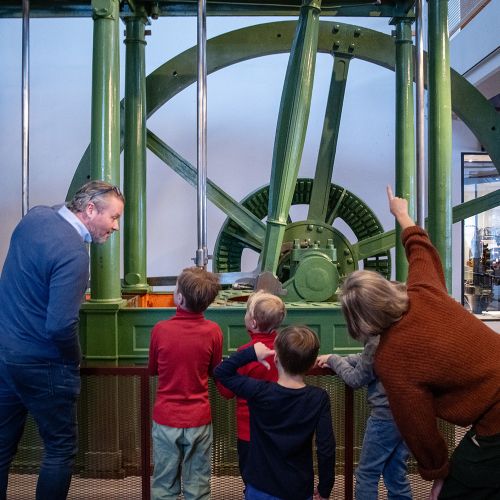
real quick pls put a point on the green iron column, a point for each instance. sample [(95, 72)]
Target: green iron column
[(405, 133), (439, 128), (134, 158), (291, 130), (99, 317), (105, 139)]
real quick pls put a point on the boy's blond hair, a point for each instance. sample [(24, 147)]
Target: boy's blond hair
[(266, 309), (371, 303), (198, 287), (297, 348)]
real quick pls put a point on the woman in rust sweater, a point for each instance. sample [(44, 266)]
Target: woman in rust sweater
[(435, 359)]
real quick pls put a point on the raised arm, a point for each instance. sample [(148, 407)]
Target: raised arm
[(359, 373), (399, 208), (423, 258), (227, 372)]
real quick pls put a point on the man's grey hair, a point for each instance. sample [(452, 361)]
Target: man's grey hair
[(95, 192)]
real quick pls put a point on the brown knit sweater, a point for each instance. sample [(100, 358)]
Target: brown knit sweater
[(437, 361)]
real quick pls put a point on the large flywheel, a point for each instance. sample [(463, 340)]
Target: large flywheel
[(309, 256), (343, 204)]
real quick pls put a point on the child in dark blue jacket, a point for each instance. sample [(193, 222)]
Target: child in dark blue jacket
[(284, 417)]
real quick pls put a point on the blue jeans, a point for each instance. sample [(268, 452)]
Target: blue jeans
[(49, 392), (181, 452), (383, 453)]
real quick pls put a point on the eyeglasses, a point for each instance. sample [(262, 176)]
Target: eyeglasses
[(102, 191)]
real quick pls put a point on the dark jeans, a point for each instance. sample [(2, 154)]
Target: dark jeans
[(48, 391), (474, 469), (242, 447)]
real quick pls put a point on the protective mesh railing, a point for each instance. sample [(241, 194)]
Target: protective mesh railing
[(115, 460)]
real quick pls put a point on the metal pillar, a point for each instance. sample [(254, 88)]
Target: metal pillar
[(134, 158), (440, 132), (105, 139), (201, 258), (25, 107), (419, 119), (291, 130), (405, 133)]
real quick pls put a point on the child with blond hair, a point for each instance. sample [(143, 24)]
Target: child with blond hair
[(265, 312)]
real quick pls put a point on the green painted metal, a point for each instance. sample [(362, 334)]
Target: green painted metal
[(328, 145), (254, 228), (374, 245), (477, 206), (273, 38), (82, 8), (135, 326), (291, 131), (440, 133), (99, 329), (311, 265), (134, 158), (342, 203), (405, 133), (105, 140), (337, 39), (384, 241)]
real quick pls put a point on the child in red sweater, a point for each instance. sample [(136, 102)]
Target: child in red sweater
[(184, 351), (265, 312)]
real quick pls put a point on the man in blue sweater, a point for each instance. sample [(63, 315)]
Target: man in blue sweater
[(43, 281)]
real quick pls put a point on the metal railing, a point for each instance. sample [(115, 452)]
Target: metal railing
[(115, 460)]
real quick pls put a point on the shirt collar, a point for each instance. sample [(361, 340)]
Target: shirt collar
[(182, 313), (80, 227), (258, 336)]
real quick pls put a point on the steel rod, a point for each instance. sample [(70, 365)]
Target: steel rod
[(25, 105), (419, 103), (201, 259)]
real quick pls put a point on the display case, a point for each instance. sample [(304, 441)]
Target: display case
[(481, 237)]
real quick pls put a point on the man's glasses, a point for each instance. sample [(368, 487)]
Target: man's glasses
[(102, 191)]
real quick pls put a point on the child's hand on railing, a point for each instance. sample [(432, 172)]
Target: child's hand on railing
[(322, 360)]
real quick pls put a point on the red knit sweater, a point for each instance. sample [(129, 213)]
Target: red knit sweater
[(255, 370), (437, 361), (183, 352)]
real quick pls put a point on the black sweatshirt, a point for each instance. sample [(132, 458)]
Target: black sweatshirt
[(283, 422)]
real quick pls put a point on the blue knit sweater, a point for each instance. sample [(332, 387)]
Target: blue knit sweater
[(41, 288)]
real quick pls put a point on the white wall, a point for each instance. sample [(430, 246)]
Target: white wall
[(475, 50), (243, 106)]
